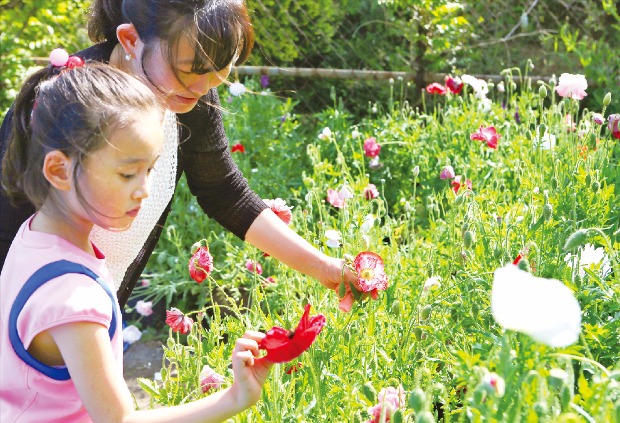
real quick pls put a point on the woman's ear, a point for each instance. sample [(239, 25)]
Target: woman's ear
[(128, 37), (57, 169)]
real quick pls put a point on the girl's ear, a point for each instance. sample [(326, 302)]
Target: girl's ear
[(57, 169), (128, 37)]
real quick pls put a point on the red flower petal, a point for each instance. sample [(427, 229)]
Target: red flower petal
[(283, 346)]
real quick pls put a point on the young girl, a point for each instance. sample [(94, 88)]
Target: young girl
[(183, 50), (85, 140)]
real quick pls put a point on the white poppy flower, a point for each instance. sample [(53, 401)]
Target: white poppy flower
[(236, 89), (432, 283), (544, 309), (589, 256), (355, 133), (547, 142), (368, 223), (131, 334), (325, 134), (333, 238)]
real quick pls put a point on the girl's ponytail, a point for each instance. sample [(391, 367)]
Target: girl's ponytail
[(15, 161), (105, 17)]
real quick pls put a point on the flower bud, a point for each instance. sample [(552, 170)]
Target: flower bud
[(369, 392), (578, 238), (596, 185), (416, 171), (588, 179), (397, 416), (541, 410), (469, 238), (542, 129), (426, 312), (417, 400), (554, 183), (524, 265), (607, 99), (528, 135), (547, 212), (542, 92)]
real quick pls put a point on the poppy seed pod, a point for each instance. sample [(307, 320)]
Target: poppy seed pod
[(542, 92), (426, 312), (469, 238), (369, 392), (417, 400), (547, 211), (578, 238), (607, 99)]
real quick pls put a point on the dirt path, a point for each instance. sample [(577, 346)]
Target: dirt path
[(142, 359)]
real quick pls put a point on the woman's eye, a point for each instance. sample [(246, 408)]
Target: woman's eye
[(127, 175)]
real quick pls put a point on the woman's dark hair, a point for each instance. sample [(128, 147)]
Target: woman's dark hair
[(72, 110), (220, 29)]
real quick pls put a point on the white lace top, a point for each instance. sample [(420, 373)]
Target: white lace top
[(121, 248)]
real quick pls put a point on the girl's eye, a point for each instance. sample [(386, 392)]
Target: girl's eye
[(127, 175)]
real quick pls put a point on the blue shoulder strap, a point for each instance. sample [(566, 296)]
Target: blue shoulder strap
[(41, 276)]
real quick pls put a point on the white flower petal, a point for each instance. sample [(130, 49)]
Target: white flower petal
[(131, 334), (544, 309)]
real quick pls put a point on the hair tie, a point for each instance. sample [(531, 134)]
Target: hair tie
[(59, 58)]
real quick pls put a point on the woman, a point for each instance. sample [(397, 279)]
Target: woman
[(183, 50)]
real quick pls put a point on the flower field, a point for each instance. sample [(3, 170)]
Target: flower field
[(493, 211)]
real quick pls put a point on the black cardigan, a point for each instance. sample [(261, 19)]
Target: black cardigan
[(212, 176)]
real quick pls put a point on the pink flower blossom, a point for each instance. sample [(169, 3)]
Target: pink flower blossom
[(144, 308), (209, 379), (598, 118), (390, 399), (254, 266), (370, 271), (145, 283), (200, 264), (614, 122), (371, 192), (457, 184), (569, 124), (338, 198), (177, 321), (447, 173), (279, 207), (371, 148), (487, 135), (436, 88), (572, 86)]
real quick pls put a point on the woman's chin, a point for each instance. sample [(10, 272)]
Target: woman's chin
[(178, 106)]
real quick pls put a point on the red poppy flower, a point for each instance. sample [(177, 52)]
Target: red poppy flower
[(436, 88), (177, 321), (487, 135), (455, 85), (237, 148), (371, 191), (518, 259), (283, 345), (200, 265), (457, 184)]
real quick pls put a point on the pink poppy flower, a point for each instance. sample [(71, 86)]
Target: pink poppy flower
[(370, 272), (371, 148), (200, 264), (572, 86), (371, 192), (454, 85), (254, 267), (144, 308), (338, 198), (283, 345), (436, 88), (390, 399), (487, 135), (598, 118), (279, 207), (447, 173), (613, 125), (177, 321), (209, 379), (457, 184), (569, 124)]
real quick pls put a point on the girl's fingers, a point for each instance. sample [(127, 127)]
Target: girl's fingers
[(254, 335), (246, 344)]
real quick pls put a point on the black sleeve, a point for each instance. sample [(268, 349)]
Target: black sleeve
[(11, 217), (212, 175)]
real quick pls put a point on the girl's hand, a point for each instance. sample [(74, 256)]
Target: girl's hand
[(250, 371), (333, 272)]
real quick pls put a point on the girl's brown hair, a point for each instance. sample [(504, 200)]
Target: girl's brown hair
[(73, 110), (220, 29)]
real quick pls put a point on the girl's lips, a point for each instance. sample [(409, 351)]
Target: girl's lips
[(185, 100), (134, 212)]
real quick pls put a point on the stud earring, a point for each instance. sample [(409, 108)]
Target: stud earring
[(128, 56)]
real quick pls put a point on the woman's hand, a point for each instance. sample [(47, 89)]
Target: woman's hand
[(249, 369)]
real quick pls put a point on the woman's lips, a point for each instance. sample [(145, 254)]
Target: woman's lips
[(186, 100), (134, 212)]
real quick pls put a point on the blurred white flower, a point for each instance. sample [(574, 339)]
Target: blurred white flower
[(333, 238), (368, 223), (547, 142), (345, 192), (480, 86), (374, 164), (325, 134), (500, 87), (236, 89), (588, 255), (131, 334), (544, 309), (494, 383), (144, 308), (157, 376), (432, 283), (355, 133)]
